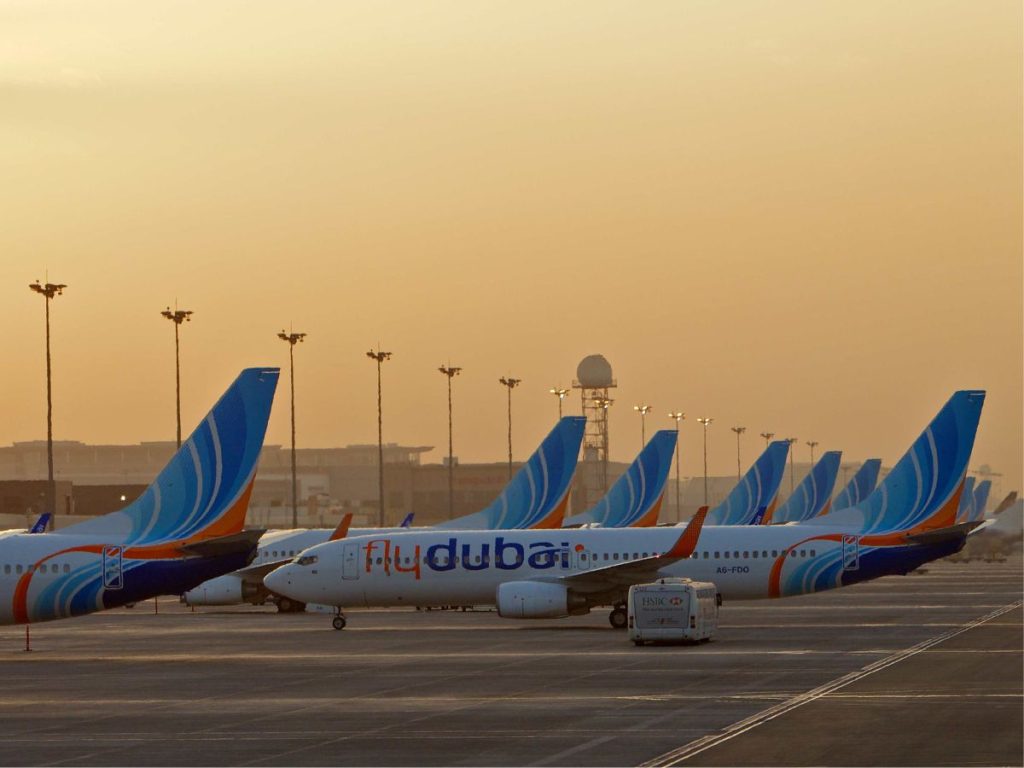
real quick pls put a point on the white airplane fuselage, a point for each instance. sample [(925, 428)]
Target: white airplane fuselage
[(467, 567)]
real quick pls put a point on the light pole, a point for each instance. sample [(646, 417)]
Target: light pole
[(560, 394), (677, 416), (791, 440), (767, 437), (178, 316), (380, 357), (510, 383), (705, 422), (293, 338), (49, 290), (604, 403), (643, 410), (739, 431), (450, 372), (812, 444)]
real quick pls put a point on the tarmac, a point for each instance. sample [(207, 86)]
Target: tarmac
[(924, 669)]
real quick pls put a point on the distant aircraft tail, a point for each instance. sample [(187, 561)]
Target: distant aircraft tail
[(41, 524), (203, 492), (1005, 504), (923, 490), (758, 488), (981, 492), (966, 508), (813, 493), (536, 497), (407, 522), (858, 489), (634, 501)]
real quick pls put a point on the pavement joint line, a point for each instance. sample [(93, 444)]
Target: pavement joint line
[(685, 752)]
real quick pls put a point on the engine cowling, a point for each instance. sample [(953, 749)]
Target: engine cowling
[(223, 590), (537, 600)]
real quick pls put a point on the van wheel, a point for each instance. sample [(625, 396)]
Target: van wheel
[(617, 618)]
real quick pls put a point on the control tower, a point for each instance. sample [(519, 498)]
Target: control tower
[(594, 380)]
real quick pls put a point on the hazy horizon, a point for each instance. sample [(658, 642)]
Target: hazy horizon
[(804, 218)]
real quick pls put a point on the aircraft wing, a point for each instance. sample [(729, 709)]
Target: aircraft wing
[(255, 573), (638, 571)]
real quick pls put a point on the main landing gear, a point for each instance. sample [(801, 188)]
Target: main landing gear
[(617, 618), (287, 605), (339, 621)]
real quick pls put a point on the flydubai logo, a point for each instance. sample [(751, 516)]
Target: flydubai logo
[(394, 557)]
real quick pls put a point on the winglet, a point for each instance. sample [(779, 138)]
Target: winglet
[(687, 541), (342, 530), (407, 522)]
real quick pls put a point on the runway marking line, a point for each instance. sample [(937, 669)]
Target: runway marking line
[(685, 752)]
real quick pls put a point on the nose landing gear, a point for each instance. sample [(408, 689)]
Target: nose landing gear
[(339, 621)]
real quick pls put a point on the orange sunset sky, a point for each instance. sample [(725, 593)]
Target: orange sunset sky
[(802, 217)]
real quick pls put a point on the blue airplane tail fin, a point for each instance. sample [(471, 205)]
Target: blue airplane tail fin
[(41, 524), (634, 501), (813, 493), (965, 511), (859, 488), (758, 488), (407, 522), (923, 490), (537, 495), (203, 492), (981, 492)]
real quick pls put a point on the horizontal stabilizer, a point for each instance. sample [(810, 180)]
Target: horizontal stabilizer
[(942, 535), (222, 546)]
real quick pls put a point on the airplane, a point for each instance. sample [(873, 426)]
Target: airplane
[(535, 497), (1005, 504), (964, 512), (862, 484), (980, 500), (753, 499), (39, 526), (185, 528), (910, 519), (812, 495), (634, 501)]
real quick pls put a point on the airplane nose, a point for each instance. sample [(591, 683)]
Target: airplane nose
[(279, 581)]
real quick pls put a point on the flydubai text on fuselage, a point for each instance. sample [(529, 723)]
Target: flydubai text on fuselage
[(467, 567)]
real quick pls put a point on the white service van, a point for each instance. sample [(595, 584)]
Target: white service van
[(673, 610)]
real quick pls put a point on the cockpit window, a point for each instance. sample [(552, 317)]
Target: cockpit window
[(306, 560)]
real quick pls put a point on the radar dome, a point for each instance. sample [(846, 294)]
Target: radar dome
[(594, 371)]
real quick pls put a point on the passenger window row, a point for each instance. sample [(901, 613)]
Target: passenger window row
[(52, 568)]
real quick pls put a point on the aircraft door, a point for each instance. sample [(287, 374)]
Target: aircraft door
[(851, 553), (582, 559), (113, 573), (350, 561)]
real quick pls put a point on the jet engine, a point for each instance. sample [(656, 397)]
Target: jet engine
[(228, 589), (538, 600)]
